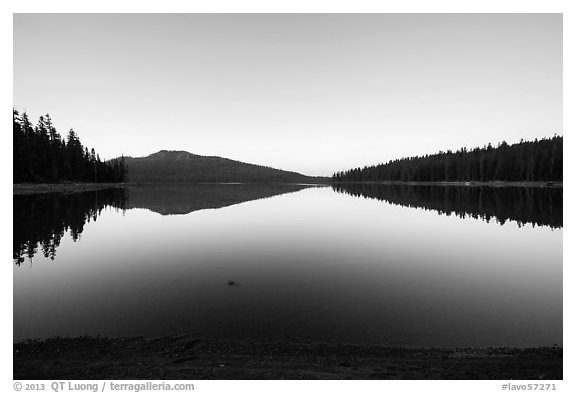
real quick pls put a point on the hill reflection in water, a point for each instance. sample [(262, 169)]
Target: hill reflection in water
[(41, 220), (175, 199)]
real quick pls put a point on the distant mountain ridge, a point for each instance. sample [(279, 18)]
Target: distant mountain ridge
[(169, 166)]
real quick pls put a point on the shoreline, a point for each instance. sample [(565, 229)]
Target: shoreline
[(196, 358), (547, 184), (40, 188)]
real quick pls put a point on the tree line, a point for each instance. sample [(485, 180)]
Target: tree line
[(41, 155), (538, 160)]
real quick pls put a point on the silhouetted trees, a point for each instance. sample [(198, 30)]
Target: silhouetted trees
[(539, 160), (42, 156)]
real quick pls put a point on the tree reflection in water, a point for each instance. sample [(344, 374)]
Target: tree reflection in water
[(41, 220), (541, 206)]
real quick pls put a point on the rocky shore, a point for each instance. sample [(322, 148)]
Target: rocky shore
[(194, 358)]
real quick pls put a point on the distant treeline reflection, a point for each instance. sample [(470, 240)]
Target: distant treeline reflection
[(541, 206), (41, 220)]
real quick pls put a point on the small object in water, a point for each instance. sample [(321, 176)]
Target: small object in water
[(230, 282), (550, 184)]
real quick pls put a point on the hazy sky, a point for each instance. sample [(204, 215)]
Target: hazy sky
[(314, 93)]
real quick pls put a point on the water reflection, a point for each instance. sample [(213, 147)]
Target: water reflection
[(41, 220), (541, 206), (312, 264), (173, 199)]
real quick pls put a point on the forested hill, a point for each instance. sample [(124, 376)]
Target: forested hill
[(538, 160), (183, 167)]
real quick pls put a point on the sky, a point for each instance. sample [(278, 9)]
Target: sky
[(313, 93)]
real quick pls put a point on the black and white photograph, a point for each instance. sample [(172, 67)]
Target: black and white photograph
[(287, 196)]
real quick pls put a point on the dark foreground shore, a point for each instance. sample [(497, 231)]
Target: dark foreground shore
[(193, 358)]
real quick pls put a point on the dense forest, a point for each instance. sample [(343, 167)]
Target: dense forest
[(538, 160), (42, 156)]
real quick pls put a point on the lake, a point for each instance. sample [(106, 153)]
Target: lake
[(404, 265)]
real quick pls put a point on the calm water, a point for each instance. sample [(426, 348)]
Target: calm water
[(401, 265)]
